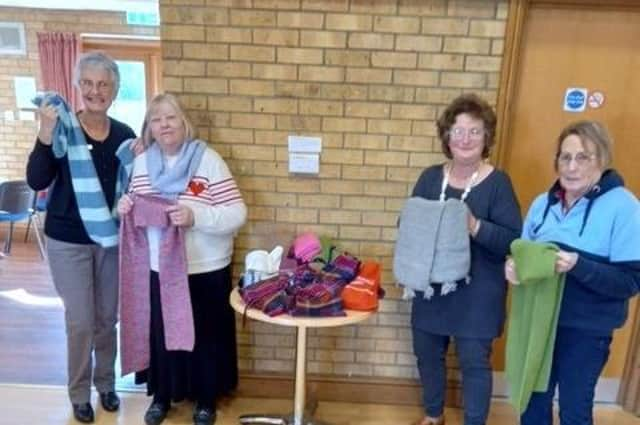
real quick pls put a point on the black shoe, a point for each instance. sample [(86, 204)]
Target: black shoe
[(110, 401), (204, 416), (156, 413), (83, 413)]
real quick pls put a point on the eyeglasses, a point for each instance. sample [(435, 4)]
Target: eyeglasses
[(581, 158), (101, 86), (458, 133)]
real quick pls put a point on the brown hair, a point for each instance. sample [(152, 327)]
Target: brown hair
[(589, 131), (476, 107), (175, 104)]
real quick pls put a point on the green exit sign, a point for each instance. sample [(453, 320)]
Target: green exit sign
[(143, 18)]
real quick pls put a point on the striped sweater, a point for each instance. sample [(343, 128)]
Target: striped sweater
[(217, 205)]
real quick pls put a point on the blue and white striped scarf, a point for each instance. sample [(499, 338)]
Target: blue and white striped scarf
[(68, 139)]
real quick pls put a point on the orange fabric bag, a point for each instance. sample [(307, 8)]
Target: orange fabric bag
[(362, 293)]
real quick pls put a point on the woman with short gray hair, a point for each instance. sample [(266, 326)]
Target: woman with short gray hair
[(99, 60), (594, 223), (75, 158)]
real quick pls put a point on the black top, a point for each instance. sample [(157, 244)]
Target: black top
[(476, 310), (63, 220)]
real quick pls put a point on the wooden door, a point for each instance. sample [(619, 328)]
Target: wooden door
[(570, 44)]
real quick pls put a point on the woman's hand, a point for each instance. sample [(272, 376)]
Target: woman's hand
[(473, 223), (124, 205), (48, 118), (138, 146), (180, 215), (565, 261), (510, 271)]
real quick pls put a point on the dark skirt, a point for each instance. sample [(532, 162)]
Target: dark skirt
[(211, 369)]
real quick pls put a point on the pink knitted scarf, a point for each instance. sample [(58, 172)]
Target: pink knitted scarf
[(135, 307)]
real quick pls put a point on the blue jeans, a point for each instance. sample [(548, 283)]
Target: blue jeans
[(578, 360), (473, 357)]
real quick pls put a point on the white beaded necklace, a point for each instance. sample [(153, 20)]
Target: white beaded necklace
[(445, 182)]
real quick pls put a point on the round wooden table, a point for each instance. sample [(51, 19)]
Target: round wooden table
[(301, 324)]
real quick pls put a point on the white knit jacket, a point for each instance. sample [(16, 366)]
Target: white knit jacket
[(217, 205)]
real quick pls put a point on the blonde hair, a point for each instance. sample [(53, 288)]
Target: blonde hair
[(189, 132)]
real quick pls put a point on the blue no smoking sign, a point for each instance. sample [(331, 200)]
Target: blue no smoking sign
[(575, 99)]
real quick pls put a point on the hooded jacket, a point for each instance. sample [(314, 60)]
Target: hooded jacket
[(603, 227)]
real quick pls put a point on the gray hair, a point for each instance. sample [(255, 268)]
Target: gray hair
[(97, 59), (589, 131)]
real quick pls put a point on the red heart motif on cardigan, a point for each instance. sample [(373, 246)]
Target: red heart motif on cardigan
[(196, 187)]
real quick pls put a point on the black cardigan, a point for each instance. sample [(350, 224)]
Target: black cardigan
[(476, 310), (63, 220)]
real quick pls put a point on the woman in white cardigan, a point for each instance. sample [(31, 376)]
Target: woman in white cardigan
[(208, 206)]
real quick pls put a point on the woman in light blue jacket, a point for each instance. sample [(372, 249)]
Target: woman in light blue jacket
[(595, 222)]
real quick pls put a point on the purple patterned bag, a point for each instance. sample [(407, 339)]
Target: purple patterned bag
[(345, 265), (318, 299), (268, 295)]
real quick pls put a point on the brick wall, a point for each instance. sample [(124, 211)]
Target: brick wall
[(17, 137), (369, 77)]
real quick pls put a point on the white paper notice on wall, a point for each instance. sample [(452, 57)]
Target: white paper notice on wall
[(305, 144), (304, 154), (304, 163)]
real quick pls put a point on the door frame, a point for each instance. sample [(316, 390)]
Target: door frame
[(629, 391)]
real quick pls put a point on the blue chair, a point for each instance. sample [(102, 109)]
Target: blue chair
[(39, 206), (16, 199)]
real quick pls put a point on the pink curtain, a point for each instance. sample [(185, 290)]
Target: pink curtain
[(58, 54)]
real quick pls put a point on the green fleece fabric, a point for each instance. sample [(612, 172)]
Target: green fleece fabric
[(329, 249), (533, 319)]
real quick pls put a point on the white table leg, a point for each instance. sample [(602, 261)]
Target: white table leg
[(299, 395), (300, 382)]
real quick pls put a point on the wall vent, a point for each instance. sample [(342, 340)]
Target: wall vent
[(12, 39)]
